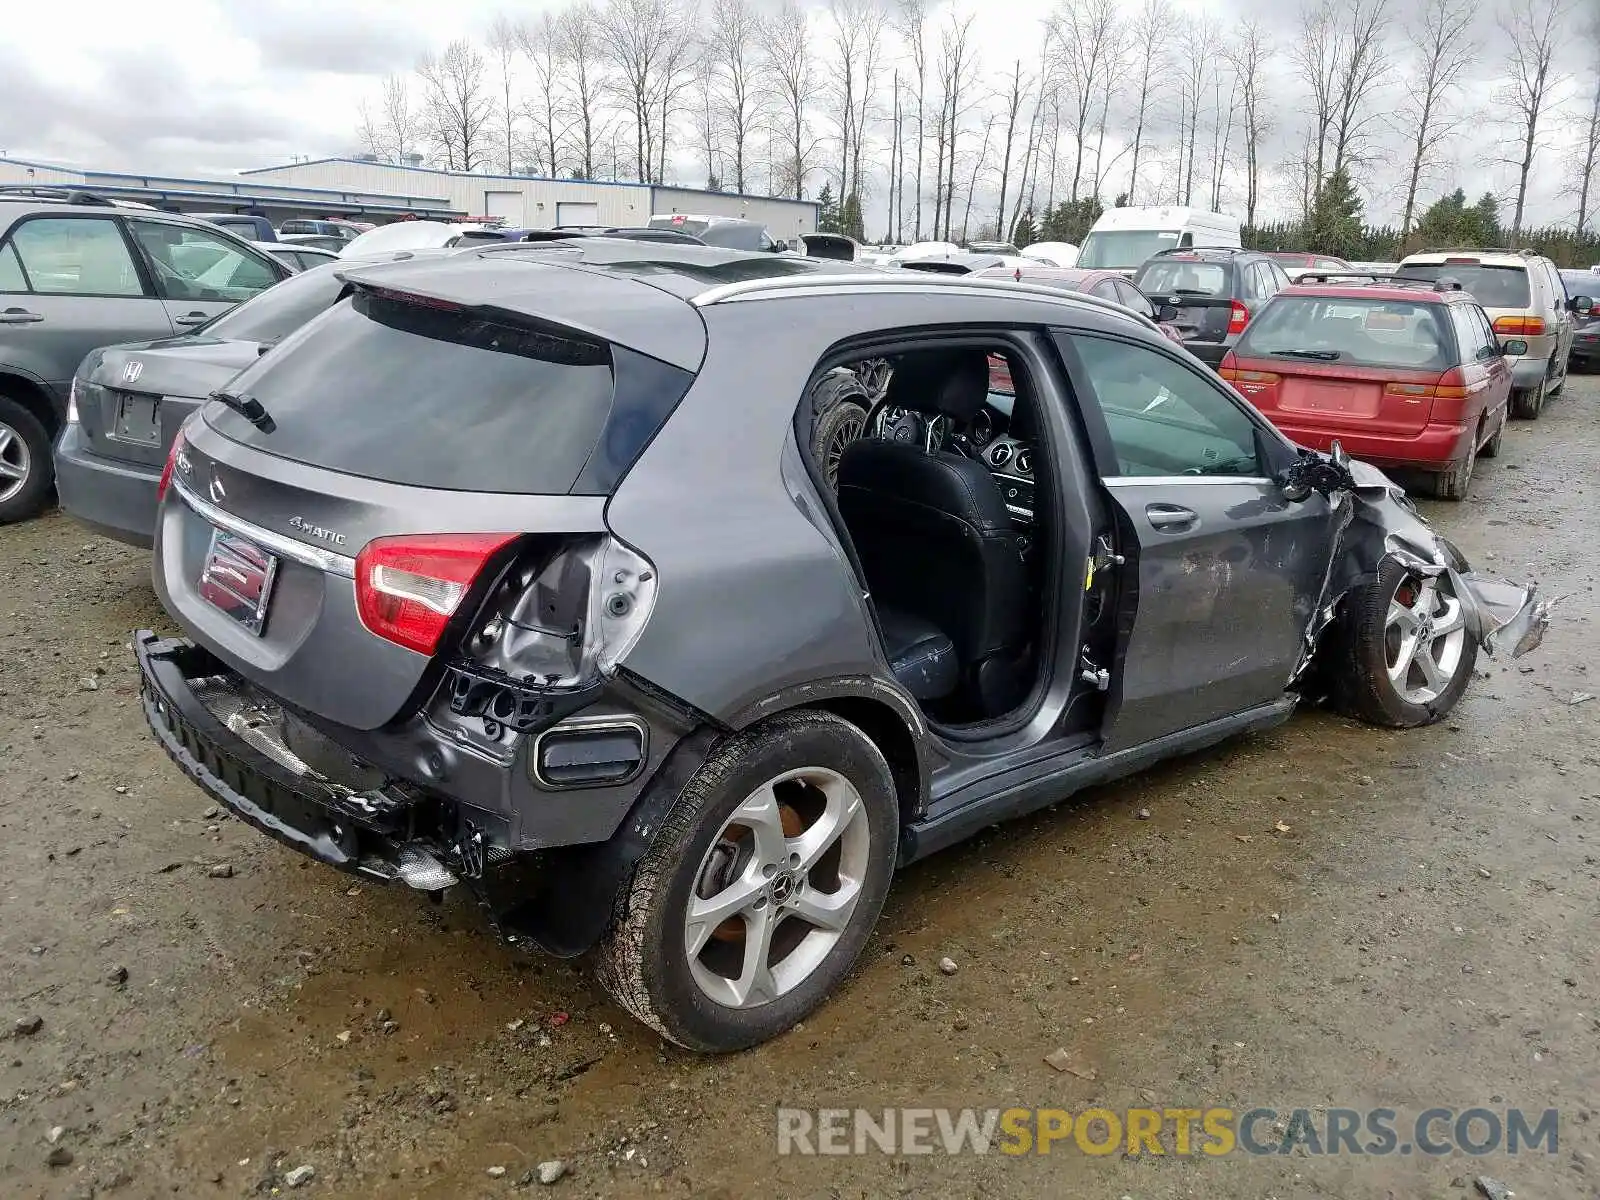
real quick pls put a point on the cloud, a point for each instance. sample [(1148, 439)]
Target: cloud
[(345, 38)]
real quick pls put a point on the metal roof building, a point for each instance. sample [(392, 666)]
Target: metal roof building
[(535, 203), (275, 200)]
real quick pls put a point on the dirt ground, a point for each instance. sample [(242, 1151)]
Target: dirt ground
[(1328, 916)]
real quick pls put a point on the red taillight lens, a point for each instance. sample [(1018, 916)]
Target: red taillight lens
[(408, 587), (1238, 317), (178, 443)]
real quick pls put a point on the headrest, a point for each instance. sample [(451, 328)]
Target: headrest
[(951, 383)]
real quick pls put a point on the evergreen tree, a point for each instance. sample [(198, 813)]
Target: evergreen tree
[(1024, 234), (850, 223), (827, 210), (1334, 226)]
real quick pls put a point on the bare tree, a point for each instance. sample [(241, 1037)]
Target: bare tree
[(977, 167), (1032, 152), (1223, 114), (457, 105), (708, 128), (681, 65), (1088, 33), (1018, 87), (857, 41), (956, 68), (1532, 29), (1203, 39), (1249, 53), (734, 38), (577, 47), (541, 42), (1150, 35), (792, 88), (1363, 66), (646, 42), (503, 41), (1586, 155), (1443, 45), (911, 25), (1315, 51)]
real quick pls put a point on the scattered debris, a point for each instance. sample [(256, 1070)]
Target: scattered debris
[(947, 966), (1282, 826), (496, 1172), (1493, 1188), (1062, 1061), (550, 1172), (55, 1133), (117, 976), (1246, 838), (1143, 814), (1484, 873), (59, 1156), (343, 1035), (28, 1026), (221, 871), (300, 1176), (90, 683), (1276, 917), (557, 1020), (907, 960), (1580, 697)]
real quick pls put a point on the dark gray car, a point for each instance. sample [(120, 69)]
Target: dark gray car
[(555, 604), (83, 273), (128, 401), (1209, 294)]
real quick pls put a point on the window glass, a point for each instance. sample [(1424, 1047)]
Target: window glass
[(82, 256), (1163, 418), (1105, 289), (1184, 276), (1490, 338), (279, 311), (11, 278), (1134, 298), (191, 264), (1349, 329), (1492, 287), (1469, 333), (1118, 249)]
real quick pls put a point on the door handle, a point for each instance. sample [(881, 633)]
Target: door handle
[(1171, 518), (194, 318), (19, 316)]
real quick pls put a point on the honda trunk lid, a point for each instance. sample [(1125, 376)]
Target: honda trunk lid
[(1199, 293)]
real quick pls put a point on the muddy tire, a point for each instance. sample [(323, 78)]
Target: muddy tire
[(1491, 448), (841, 404), (714, 948), (1395, 668), (1527, 404), (26, 468), (1453, 484)]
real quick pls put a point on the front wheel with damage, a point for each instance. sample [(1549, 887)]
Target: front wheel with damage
[(758, 892), (1403, 654)]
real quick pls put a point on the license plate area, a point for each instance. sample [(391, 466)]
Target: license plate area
[(136, 419), (237, 578)]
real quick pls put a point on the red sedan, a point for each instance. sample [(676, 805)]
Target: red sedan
[(1400, 376), (1108, 285)]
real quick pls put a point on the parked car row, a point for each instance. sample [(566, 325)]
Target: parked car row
[(496, 572)]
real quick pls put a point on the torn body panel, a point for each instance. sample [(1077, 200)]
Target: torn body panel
[(1376, 522)]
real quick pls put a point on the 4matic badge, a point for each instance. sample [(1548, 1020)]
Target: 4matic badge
[(316, 531)]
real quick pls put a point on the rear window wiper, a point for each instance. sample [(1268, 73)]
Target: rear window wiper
[(1317, 355), (248, 407)]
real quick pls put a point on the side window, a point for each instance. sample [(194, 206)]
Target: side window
[(82, 256), (1186, 239), (191, 264), (1134, 298), (1106, 290), (1469, 333), (1557, 284), (1486, 329), (11, 277), (1164, 418)]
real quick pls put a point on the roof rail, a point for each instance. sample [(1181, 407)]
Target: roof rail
[(1480, 250), (66, 195), (1199, 249), (1377, 279)]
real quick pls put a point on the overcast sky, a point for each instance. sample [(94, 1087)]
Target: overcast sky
[(212, 86)]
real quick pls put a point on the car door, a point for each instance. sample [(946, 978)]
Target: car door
[(200, 274), (1489, 354), (1566, 325), (1223, 571), (70, 284)]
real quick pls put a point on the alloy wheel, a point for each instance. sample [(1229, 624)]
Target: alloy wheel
[(1424, 636), (846, 427), (777, 888), (15, 462)]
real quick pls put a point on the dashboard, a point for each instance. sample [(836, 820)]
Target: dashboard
[(988, 437)]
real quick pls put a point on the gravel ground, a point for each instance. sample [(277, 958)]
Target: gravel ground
[(1330, 915)]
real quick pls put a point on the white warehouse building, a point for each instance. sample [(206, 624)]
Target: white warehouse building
[(533, 203)]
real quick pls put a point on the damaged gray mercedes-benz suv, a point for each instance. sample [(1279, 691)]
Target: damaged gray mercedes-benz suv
[(516, 570)]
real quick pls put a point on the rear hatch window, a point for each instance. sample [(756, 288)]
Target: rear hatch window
[(441, 397), (681, 224), (1492, 287), (1352, 331), (1184, 277), (281, 309)]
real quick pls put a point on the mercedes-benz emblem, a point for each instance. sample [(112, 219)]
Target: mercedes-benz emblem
[(218, 492)]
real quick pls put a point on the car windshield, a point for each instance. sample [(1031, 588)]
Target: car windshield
[(1124, 249), (443, 398), (1354, 331), (1492, 287), (281, 309), (1185, 277)]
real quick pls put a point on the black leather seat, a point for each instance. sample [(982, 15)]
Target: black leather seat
[(922, 658), (933, 534)]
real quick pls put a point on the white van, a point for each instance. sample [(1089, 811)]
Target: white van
[(1124, 238)]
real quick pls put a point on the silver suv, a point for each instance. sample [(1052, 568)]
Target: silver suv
[(81, 272), (1522, 293)]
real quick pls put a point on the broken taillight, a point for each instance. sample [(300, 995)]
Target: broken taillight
[(408, 587), (178, 443)]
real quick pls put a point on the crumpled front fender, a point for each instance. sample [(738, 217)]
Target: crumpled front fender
[(1376, 523)]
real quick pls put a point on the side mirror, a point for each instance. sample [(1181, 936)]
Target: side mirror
[(780, 247), (1166, 312), (1582, 304), (1515, 348)]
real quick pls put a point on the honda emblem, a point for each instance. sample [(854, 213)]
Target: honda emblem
[(131, 372)]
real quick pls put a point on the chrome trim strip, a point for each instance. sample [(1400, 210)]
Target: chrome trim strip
[(865, 284), (284, 547), (1169, 480)]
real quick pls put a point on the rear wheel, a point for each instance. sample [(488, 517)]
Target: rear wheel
[(840, 401), (26, 469), (1528, 403), (1401, 655), (1452, 484), (760, 888), (1491, 448)]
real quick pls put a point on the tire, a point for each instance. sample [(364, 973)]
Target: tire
[(1527, 404), (1559, 382), (1358, 667), (843, 422), (644, 961), (1491, 448), (1453, 484), (26, 469)]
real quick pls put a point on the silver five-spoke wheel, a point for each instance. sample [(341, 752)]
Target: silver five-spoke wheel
[(15, 462), (777, 887), (1424, 637)]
